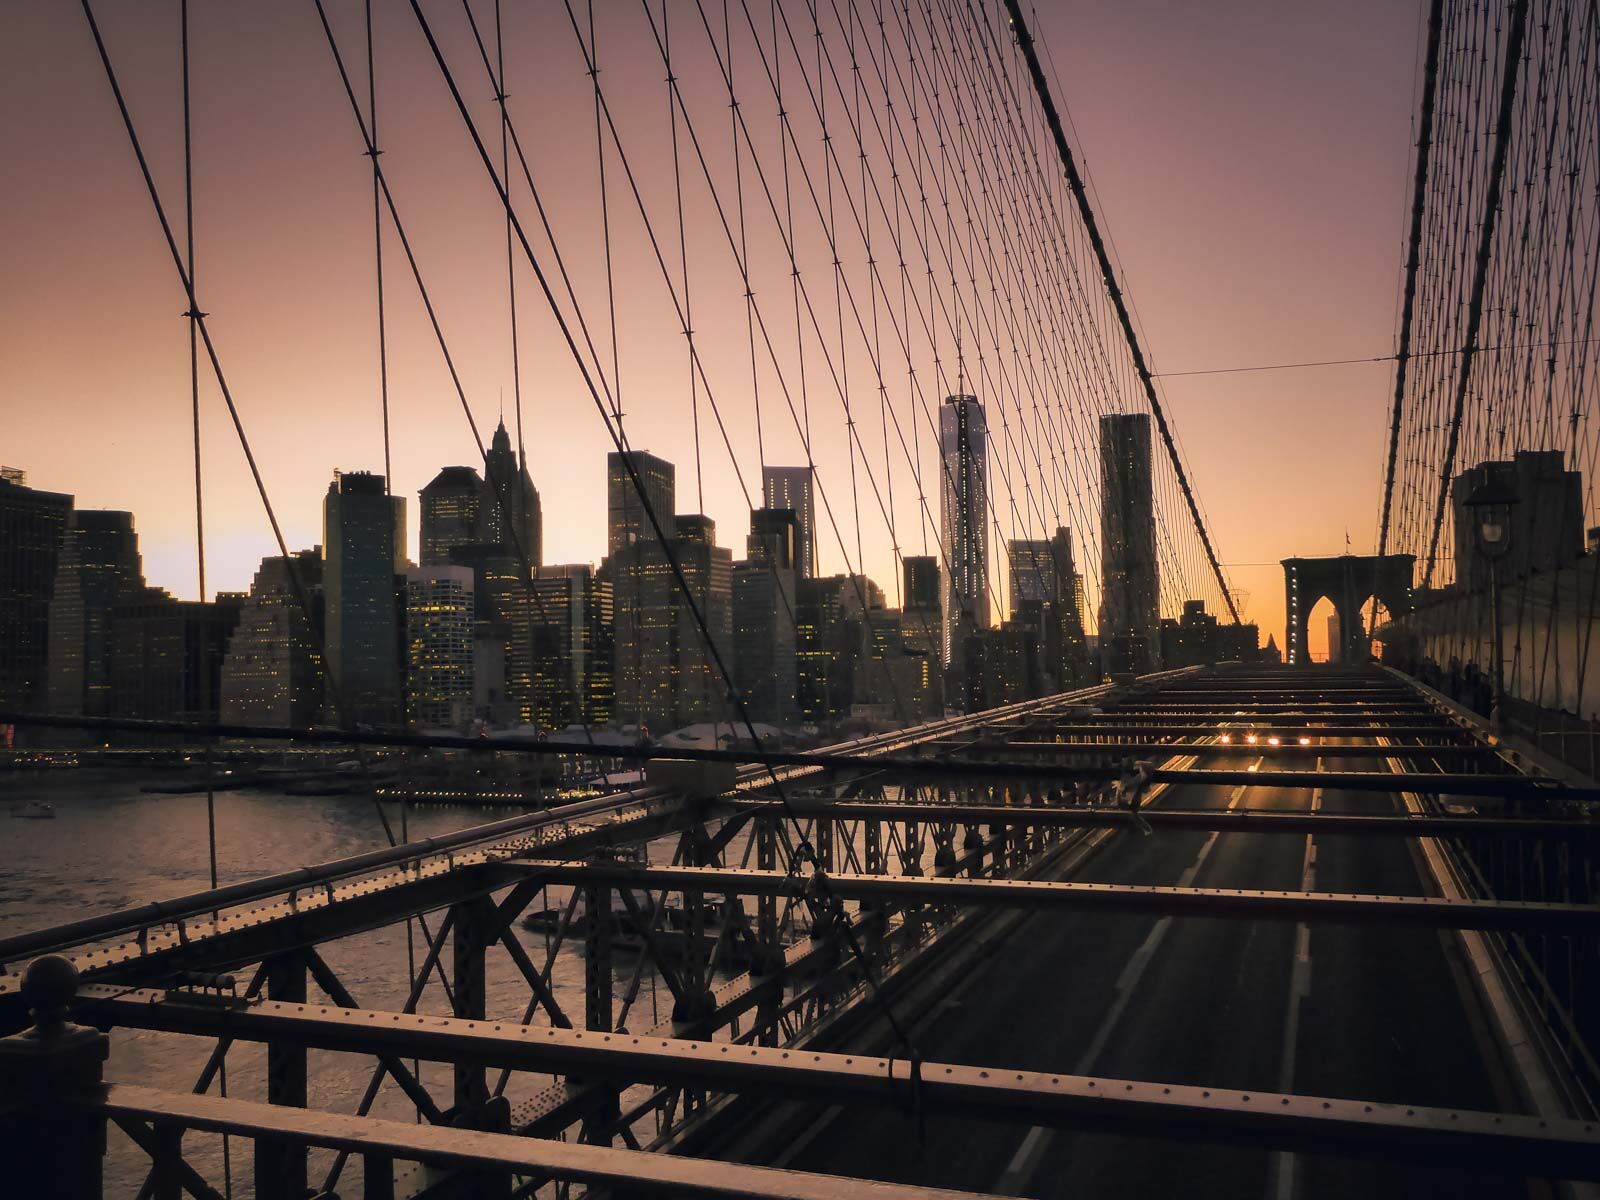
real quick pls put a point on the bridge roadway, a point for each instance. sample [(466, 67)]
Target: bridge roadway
[(1359, 1011)]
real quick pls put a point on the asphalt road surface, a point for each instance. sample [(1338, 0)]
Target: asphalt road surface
[(1369, 1012)]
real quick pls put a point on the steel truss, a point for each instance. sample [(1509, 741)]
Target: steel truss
[(923, 850)]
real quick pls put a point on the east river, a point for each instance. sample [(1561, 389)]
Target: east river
[(111, 846)]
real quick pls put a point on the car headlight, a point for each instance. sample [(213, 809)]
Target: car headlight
[(1272, 741), (1226, 739), (1251, 738), (1305, 741)]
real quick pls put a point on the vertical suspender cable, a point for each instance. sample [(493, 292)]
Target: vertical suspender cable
[(1509, 73), (193, 316)]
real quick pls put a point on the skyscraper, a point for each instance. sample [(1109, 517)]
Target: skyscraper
[(763, 617), (964, 518), (665, 675), (626, 521), (273, 673), (452, 505), (561, 672), (509, 512), (1032, 572), (1129, 607), (33, 525), (1066, 645), (439, 646), (98, 569), (920, 573), (921, 630), (363, 547), (791, 488)]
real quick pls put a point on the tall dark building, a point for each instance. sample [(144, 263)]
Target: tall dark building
[(509, 512), (1032, 572), (666, 676), (832, 641), (921, 629), (273, 671), (99, 569), (452, 505), (561, 674), (792, 488), (626, 522), (363, 547), (1129, 606), (500, 590), (763, 617), (921, 577), (1065, 647), (964, 518), (167, 656), (33, 525)]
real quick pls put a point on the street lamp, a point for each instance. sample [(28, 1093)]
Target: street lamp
[(1490, 505)]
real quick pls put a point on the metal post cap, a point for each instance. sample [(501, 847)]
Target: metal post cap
[(48, 986)]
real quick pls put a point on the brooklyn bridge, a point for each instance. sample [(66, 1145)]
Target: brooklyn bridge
[(418, 862)]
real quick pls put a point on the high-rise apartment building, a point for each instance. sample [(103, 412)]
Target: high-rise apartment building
[(561, 672), (440, 617), (451, 511), (98, 569), (764, 617), (272, 673), (792, 488), (1131, 592), (363, 547), (509, 512), (964, 518), (33, 526), (666, 677), (626, 521)]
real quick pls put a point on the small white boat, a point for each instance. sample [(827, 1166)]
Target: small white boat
[(36, 810)]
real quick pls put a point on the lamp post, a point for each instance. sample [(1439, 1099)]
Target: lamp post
[(1490, 505)]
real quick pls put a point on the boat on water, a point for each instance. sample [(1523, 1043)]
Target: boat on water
[(34, 810)]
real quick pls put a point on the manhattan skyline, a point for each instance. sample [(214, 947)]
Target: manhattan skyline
[(1338, 157)]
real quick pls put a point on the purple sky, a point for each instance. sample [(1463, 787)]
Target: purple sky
[(1249, 161)]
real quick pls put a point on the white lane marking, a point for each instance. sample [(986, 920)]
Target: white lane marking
[(1031, 1151), (1238, 792), (1299, 989)]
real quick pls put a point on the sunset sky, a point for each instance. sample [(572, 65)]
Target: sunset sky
[(1249, 160)]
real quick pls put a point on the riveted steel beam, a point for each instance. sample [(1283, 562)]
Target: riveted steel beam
[(1310, 907), (1537, 1146)]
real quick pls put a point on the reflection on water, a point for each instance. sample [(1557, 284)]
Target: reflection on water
[(111, 846)]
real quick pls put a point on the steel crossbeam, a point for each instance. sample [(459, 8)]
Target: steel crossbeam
[(1530, 1145), (471, 1149), (1309, 907), (1283, 729), (1236, 820), (1236, 749)]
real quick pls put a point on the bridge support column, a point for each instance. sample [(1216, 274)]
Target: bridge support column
[(471, 926), (598, 1013), (280, 1167), (769, 952), (49, 1143)]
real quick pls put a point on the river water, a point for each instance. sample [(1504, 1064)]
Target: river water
[(111, 846)]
